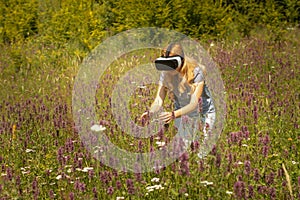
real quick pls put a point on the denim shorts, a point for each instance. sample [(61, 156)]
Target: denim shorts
[(189, 127)]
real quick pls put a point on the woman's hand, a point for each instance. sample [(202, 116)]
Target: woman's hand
[(145, 117), (166, 117)]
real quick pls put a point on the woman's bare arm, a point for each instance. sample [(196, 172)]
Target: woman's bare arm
[(193, 102), (159, 99), (156, 105), (168, 116)]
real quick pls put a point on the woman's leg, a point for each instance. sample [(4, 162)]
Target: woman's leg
[(208, 124), (185, 127), (209, 121)]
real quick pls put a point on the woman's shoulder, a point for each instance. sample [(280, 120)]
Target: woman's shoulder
[(198, 74), (198, 69)]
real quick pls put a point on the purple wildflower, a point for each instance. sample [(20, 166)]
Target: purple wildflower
[(69, 146), (262, 189), (214, 150), (161, 132), (184, 164), (79, 186), (272, 193), (256, 175), (115, 173), (200, 103), (229, 158), (265, 140), (130, 186), (151, 140), (9, 173), (239, 189), (51, 194), (185, 119), (79, 163), (34, 185), (182, 190), (140, 145), (95, 193), (255, 114), (270, 178), (279, 172), (240, 178), (18, 184), (195, 146), (286, 153), (228, 169), (284, 183), (137, 173), (247, 166), (157, 167), (218, 160), (201, 166), (118, 185), (184, 157), (72, 196), (244, 129), (105, 177), (60, 156), (265, 150), (185, 169), (91, 174), (110, 190), (250, 191), (246, 135), (236, 137), (112, 161)]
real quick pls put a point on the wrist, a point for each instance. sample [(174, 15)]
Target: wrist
[(173, 115), (177, 113)]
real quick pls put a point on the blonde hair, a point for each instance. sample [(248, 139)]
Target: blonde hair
[(187, 68)]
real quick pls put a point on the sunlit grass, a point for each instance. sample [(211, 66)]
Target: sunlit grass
[(42, 156)]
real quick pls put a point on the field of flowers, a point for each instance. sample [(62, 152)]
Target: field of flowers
[(256, 156)]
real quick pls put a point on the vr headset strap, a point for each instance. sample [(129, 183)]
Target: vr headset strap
[(169, 50)]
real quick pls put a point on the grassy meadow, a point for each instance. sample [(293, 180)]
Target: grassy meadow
[(256, 156), (42, 47)]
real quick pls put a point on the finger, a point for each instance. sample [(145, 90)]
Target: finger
[(166, 120), (144, 115), (163, 114), (163, 117), (143, 119)]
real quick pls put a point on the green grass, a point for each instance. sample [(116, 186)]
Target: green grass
[(36, 92)]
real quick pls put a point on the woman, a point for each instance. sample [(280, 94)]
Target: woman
[(191, 97)]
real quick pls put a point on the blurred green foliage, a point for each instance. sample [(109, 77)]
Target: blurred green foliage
[(78, 26), (86, 21)]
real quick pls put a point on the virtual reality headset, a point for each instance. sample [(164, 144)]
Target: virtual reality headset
[(168, 63)]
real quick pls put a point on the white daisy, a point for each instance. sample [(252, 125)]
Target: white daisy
[(229, 192), (86, 169), (155, 180), (97, 128), (29, 150), (59, 177), (160, 144)]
